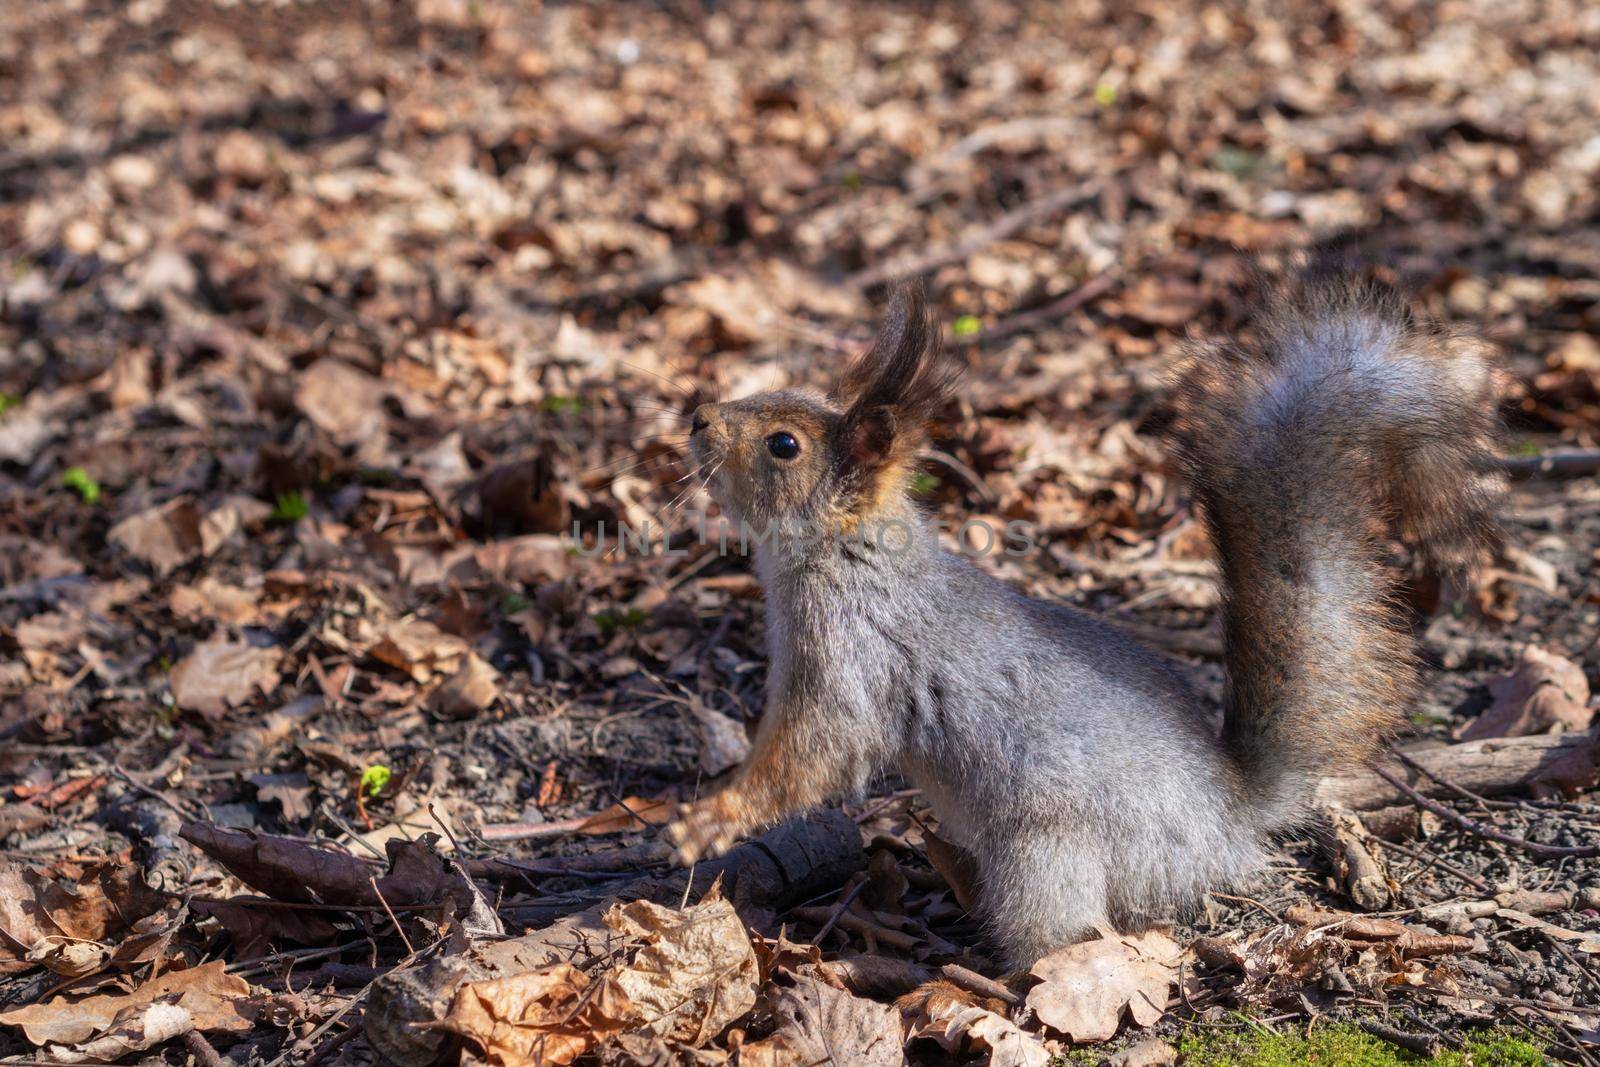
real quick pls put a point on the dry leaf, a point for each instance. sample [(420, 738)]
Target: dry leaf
[(66, 921), (955, 865), (1086, 986), (419, 648), (1544, 693), (629, 813), (818, 1024), (135, 1029), (469, 691), (697, 970), (165, 537), (955, 1018), (211, 599), (208, 993), (221, 674), (341, 401), (545, 1016), (1151, 1052)]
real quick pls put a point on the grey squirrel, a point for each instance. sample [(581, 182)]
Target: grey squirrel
[(1071, 762)]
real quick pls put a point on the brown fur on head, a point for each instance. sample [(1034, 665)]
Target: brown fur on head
[(798, 459)]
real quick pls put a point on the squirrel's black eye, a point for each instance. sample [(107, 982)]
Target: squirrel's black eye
[(783, 445)]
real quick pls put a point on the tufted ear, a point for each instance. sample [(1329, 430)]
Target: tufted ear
[(897, 386)]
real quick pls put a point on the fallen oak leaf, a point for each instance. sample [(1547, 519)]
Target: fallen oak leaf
[(552, 1015), (820, 1024), (135, 1029), (49, 912), (954, 1017), (208, 993), (696, 972), (1087, 986), (285, 868)]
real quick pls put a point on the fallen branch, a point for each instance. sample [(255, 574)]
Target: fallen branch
[(1575, 464), (1489, 766)]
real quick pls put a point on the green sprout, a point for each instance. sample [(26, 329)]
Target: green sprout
[(1105, 94), (923, 483), (610, 622), (556, 404), (375, 779), (9, 401), (290, 507), (966, 326), (81, 480)]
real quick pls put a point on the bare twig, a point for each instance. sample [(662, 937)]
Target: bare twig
[(1533, 848), (1427, 1045)]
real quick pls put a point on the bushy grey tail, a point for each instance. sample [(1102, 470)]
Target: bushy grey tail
[(1340, 416)]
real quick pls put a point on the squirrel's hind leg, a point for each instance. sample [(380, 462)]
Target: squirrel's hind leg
[(1039, 892)]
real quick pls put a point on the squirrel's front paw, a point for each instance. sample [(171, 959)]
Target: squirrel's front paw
[(701, 831)]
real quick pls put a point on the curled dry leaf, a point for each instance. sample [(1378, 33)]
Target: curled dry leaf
[(1544, 693), (419, 648), (221, 674), (549, 1016), (292, 870), (135, 1029), (955, 1018), (696, 972), (208, 993), (1087, 986), (820, 1024)]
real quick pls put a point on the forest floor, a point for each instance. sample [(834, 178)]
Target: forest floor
[(322, 324)]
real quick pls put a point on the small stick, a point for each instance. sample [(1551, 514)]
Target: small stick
[(1434, 861), (839, 909), (202, 1050), (390, 912), (1533, 848), (1427, 1045), (857, 925), (974, 982)]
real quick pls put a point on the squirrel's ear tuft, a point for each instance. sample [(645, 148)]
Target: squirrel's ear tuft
[(899, 385)]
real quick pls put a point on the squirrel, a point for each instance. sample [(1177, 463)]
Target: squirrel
[(1071, 762)]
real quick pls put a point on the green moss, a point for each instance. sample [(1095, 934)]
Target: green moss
[(1341, 1045)]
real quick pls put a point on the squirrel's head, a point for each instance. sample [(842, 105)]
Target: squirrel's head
[(796, 459)]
